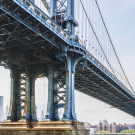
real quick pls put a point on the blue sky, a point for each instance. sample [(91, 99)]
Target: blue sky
[(120, 21)]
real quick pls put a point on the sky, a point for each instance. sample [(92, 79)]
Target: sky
[(119, 18)]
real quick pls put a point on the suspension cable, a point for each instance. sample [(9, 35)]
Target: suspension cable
[(113, 46), (96, 35)]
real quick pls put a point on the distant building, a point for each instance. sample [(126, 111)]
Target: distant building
[(6, 113), (60, 115), (42, 115), (1, 109), (105, 126), (93, 129), (131, 126), (87, 125)]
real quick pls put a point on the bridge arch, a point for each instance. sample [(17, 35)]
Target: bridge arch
[(76, 62), (35, 93)]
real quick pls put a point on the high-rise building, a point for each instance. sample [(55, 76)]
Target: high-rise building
[(105, 126), (42, 115), (1, 102), (6, 113), (1, 108)]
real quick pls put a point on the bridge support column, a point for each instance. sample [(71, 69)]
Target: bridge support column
[(61, 92), (21, 96), (69, 112), (12, 115), (52, 112), (27, 108)]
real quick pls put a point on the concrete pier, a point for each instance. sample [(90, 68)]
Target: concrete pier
[(43, 128)]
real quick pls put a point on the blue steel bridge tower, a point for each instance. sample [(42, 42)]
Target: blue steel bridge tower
[(51, 56), (33, 45), (64, 10)]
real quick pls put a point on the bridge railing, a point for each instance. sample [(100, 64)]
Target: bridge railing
[(31, 6), (44, 17)]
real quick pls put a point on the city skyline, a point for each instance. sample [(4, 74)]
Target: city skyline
[(122, 32), (3, 111)]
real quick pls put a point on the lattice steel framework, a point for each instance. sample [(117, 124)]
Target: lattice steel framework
[(63, 10), (32, 42)]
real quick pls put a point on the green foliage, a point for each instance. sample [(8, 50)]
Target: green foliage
[(103, 131), (127, 131)]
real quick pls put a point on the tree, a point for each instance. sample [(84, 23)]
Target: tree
[(103, 131), (127, 131)]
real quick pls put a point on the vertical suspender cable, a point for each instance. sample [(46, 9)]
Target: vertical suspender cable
[(114, 48), (106, 49), (94, 29), (85, 29), (100, 40), (96, 32), (89, 31), (78, 12), (108, 53), (82, 27)]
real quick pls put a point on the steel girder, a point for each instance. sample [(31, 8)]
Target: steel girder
[(62, 12), (93, 82), (39, 40)]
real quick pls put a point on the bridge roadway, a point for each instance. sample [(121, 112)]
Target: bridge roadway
[(29, 35)]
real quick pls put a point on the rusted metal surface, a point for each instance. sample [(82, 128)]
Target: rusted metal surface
[(27, 108), (12, 115), (128, 101)]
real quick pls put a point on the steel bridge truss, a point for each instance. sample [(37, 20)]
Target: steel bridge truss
[(31, 44), (62, 12)]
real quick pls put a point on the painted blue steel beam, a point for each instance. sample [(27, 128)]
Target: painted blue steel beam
[(95, 62), (96, 67), (34, 14)]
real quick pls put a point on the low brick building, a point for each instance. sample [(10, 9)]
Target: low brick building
[(105, 126), (131, 126)]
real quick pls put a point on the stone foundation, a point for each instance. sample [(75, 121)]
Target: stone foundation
[(43, 128)]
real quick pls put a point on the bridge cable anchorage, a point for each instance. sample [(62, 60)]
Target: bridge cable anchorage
[(113, 46)]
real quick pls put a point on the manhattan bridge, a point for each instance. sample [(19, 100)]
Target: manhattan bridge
[(68, 42)]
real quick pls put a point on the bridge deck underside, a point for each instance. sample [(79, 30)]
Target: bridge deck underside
[(92, 82), (21, 33), (24, 38)]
